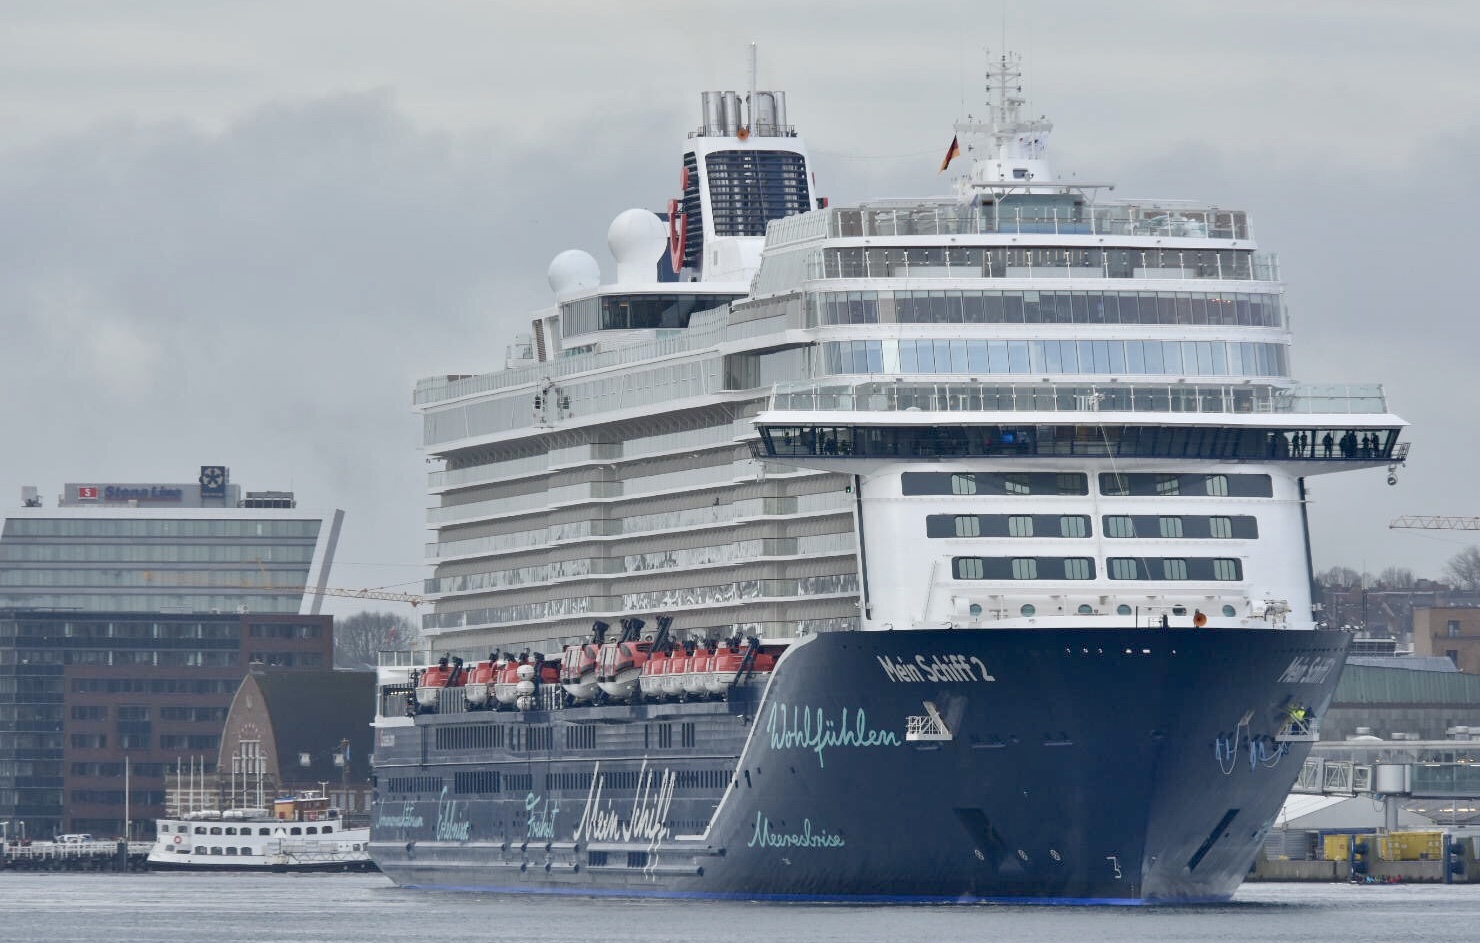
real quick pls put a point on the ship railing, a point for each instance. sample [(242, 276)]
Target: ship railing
[(888, 395), (1160, 219)]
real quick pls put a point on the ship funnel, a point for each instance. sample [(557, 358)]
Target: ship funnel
[(764, 121)]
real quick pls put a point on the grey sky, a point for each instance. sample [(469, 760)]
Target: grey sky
[(239, 232)]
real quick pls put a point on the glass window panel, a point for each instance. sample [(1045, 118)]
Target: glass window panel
[(1225, 569), (1017, 484), (1170, 526), (970, 568), (1073, 525), (1221, 527), (968, 525), (1120, 525), (963, 484), (1079, 568), (1025, 568), (1173, 568), (1216, 485), (1123, 568), (1020, 525)]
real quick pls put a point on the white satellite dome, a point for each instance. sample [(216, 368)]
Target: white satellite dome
[(637, 239), (573, 270)]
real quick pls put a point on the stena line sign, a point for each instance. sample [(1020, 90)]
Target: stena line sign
[(130, 493)]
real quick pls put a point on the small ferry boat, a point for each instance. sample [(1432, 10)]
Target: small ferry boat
[(299, 833)]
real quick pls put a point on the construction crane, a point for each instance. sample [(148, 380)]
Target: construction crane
[(1433, 522)]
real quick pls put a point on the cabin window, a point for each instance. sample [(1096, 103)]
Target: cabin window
[(1025, 568), (1173, 568), (968, 525), (312, 830), (1170, 526), (1020, 525), (970, 568), (1079, 568), (1120, 525), (963, 484), (1220, 527), (1073, 525), (1226, 569)]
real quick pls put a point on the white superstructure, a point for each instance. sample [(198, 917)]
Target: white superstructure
[(1022, 403)]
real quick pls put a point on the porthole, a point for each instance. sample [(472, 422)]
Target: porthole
[(1028, 609), (1228, 611), (1122, 610), (1085, 609), (1179, 610), (975, 609)]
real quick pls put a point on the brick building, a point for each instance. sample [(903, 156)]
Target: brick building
[(83, 694)]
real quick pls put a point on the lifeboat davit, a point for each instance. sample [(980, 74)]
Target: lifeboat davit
[(734, 664), (619, 668), (446, 673), (480, 683)]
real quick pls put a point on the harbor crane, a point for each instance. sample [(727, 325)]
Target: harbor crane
[(1434, 522)]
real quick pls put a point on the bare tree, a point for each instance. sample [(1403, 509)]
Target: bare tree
[(1396, 577), (1464, 568), (1340, 576), (358, 639)]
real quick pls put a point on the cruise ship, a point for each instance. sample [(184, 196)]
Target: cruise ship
[(948, 549)]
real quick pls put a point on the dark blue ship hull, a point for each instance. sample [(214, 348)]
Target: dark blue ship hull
[(1051, 765)]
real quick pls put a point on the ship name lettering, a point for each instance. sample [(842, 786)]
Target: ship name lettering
[(764, 837), (449, 828), (935, 668), (407, 818), (648, 818), (805, 728), (542, 813), (1306, 669)]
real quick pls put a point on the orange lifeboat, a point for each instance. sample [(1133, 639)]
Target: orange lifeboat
[(652, 681), (699, 666), (723, 666), (678, 671), (620, 668), (506, 686), (578, 671), (734, 665), (446, 673), (480, 683)]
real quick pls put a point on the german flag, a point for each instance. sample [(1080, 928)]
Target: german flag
[(952, 152)]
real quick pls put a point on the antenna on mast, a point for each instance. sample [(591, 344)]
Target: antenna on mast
[(750, 101)]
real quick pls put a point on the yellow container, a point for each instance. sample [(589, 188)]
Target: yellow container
[(1338, 847), (1411, 846)]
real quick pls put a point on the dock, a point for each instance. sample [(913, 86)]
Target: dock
[(79, 856)]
